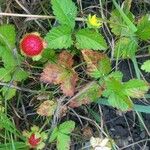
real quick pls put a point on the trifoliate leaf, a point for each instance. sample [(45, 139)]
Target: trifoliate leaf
[(144, 28), (59, 37), (120, 93), (67, 127), (88, 93), (126, 47), (146, 66), (118, 25), (8, 92), (98, 64), (90, 39), (116, 96), (61, 73), (65, 11), (136, 88), (62, 135), (8, 36), (63, 142), (20, 75), (5, 75)]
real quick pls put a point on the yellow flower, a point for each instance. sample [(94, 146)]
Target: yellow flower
[(93, 21)]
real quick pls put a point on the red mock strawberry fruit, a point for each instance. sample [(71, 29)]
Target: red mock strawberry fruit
[(32, 45), (33, 141)]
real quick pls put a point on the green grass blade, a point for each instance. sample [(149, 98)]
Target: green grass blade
[(125, 18)]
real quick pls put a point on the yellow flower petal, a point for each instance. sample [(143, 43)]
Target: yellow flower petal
[(94, 21)]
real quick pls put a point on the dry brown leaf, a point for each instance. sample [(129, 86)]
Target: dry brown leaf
[(98, 64), (61, 73), (65, 59), (47, 108)]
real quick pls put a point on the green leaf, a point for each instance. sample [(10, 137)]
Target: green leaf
[(62, 134), (118, 26), (146, 66), (143, 27), (67, 127), (49, 55), (138, 108), (65, 11), (117, 75), (120, 101), (5, 75), (90, 39), (63, 142), (7, 57), (7, 124), (54, 134), (125, 18), (126, 47), (116, 96), (136, 88), (8, 93), (20, 75), (59, 37), (8, 36)]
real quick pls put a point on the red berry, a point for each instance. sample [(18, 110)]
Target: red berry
[(33, 141), (32, 45)]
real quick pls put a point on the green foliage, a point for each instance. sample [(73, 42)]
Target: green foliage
[(4, 75), (59, 37), (11, 60), (62, 135), (8, 36), (136, 88), (125, 18), (65, 11), (10, 146), (146, 66), (20, 75), (6, 123), (118, 26), (8, 92), (115, 94), (49, 55), (126, 47), (143, 27), (63, 142), (117, 75), (119, 93), (90, 39)]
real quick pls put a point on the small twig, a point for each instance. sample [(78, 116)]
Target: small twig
[(134, 143), (34, 16), (18, 88)]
